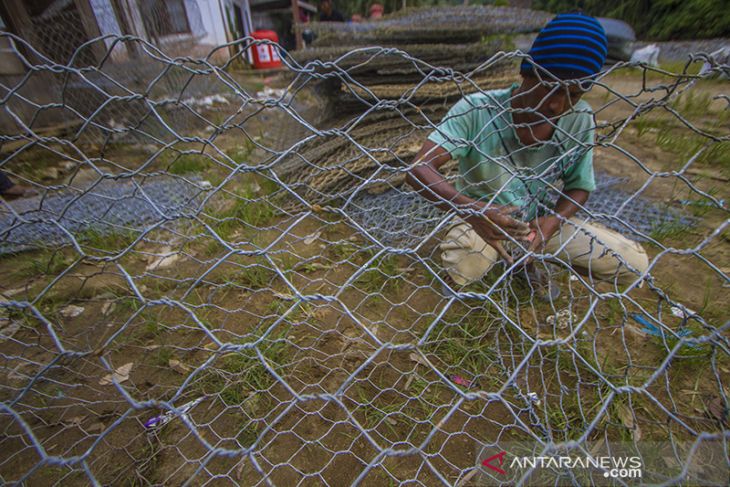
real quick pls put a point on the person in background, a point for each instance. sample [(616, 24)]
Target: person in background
[(513, 145), (10, 190), (376, 11), (328, 13), (356, 18)]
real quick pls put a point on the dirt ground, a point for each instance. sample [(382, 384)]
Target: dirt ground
[(319, 357)]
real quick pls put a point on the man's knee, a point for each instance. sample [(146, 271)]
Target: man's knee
[(605, 254), (638, 263), (631, 263)]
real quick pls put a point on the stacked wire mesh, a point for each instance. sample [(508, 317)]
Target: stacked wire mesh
[(385, 97)]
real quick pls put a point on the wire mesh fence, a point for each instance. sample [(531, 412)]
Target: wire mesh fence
[(260, 298)]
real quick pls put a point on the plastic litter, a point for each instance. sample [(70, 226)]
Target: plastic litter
[(457, 379), (720, 59), (648, 55), (165, 418), (651, 329)]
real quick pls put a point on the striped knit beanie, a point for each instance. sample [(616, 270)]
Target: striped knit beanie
[(571, 46)]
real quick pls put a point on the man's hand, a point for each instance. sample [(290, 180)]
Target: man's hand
[(543, 229), (495, 224)]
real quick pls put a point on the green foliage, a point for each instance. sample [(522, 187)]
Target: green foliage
[(240, 378), (257, 275), (107, 240), (715, 153), (382, 275), (656, 19), (250, 207), (189, 164), (668, 231)]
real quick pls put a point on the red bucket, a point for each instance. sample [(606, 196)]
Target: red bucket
[(265, 56)]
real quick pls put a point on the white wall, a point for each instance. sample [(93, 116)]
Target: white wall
[(107, 22), (211, 25), (205, 18)]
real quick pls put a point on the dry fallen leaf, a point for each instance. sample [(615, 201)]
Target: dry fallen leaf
[(16, 373), (418, 359), (72, 311), (166, 259), (627, 419), (76, 420), (8, 331), (311, 238), (717, 409), (318, 313), (120, 375), (96, 427), (178, 366), (107, 307)]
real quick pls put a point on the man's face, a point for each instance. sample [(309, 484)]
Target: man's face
[(326, 7), (550, 99)]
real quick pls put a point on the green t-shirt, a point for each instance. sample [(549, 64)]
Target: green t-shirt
[(494, 166)]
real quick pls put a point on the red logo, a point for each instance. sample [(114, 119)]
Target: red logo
[(500, 457)]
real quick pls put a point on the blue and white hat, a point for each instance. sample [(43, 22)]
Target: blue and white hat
[(570, 46)]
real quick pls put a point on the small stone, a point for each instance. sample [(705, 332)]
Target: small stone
[(562, 318)]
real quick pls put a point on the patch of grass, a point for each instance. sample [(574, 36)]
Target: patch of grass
[(248, 434), (46, 262), (163, 356), (239, 378), (251, 208), (681, 67), (286, 261), (666, 231), (374, 416), (243, 153), (152, 328), (693, 104), (343, 250), (464, 345), (504, 42), (382, 276), (646, 123), (108, 242), (700, 205), (256, 275), (612, 311), (717, 154), (189, 164)]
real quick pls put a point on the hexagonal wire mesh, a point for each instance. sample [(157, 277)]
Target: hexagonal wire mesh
[(239, 288)]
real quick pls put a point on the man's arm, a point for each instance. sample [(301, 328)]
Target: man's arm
[(491, 223)]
